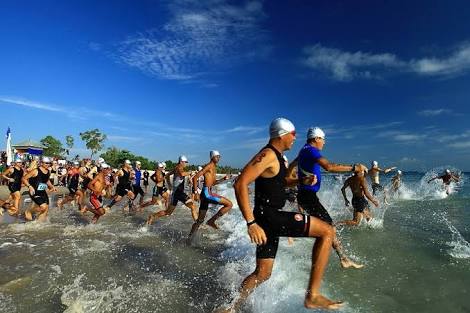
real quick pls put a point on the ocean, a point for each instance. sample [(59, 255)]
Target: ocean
[(416, 253)]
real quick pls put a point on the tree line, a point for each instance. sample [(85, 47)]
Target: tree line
[(94, 141)]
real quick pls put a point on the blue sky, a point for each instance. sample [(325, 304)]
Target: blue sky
[(388, 81)]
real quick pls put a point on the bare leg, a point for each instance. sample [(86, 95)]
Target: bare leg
[(344, 260), (321, 252), (192, 206), (43, 210), (227, 205), (154, 216), (354, 222)]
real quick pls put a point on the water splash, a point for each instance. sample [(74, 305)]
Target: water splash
[(460, 248)]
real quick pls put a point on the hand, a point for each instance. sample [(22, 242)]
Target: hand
[(346, 202), (103, 192), (11, 180), (310, 180), (257, 234), (376, 203), (54, 189), (31, 190)]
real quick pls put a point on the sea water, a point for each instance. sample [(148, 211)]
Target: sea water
[(415, 250)]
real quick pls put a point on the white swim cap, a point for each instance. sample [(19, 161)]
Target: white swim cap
[(104, 166), (127, 162), (447, 171), (76, 163), (214, 153), (199, 168), (161, 165), (399, 172), (137, 163), (46, 160), (315, 132), (280, 127), (183, 158), (18, 160), (100, 160), (375, 163)]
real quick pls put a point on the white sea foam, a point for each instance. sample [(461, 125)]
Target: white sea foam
[(460, 248)]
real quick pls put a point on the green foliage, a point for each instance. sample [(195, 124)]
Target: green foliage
[(116, 157), (53, 146), (94, 140)]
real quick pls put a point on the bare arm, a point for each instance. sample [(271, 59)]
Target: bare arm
[(7, 173), (26, 177), (263, 162), (91, 185), (334, 167), (434, 178), (367, 193), (199, 174)]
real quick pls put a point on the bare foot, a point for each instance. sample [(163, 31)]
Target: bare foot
[(28, 216), (346, 263), (321, 302), (150, 219), (212, 224)]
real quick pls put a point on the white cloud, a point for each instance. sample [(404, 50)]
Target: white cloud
[(345, 66), (200, 37), (460, 145), (435, 112), (401, 136), (32, 104), (245, 129), (124, 138)]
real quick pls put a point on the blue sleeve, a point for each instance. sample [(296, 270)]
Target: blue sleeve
[(315, 154)]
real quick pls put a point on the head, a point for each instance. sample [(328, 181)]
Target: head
[(18, 162), (138, 164), (160, 166), (127, 164), (105, 168), (76, 164), (447, 172), (214, 156), (199, 168), (100, 161), (316, 137), (46, 162), (375, 164), (183, 160), (399, 173), (282, 133)]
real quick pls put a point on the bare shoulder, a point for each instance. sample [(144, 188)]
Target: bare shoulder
[(264, 155)]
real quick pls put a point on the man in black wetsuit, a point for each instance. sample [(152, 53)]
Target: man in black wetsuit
[(266, 223), (124, 187)]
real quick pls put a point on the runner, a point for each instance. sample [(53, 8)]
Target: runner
[(178, 193), (14, 175), (98, 190), (159, 190), (137, 179), (38, 182), (447, 177), (73, 185), (124, 187), (267, 222), (209, 172), (374, 174)]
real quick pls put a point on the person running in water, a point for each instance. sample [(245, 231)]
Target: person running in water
[(73, 185), (209, 172), (374, 174), (98, 190), (359, 189), (309, 163), (396, 182), (146, 176), (38, 182), (159, 190), (136, 188), (124, 187), (267, 222), (178, 193), (447, 178), (14, 176)]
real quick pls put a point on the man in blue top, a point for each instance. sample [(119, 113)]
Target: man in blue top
[(136, 188), (309, 163)]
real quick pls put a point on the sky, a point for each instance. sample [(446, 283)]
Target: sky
[(386, 80)]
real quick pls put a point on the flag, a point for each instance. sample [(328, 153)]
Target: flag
[(8, 149)]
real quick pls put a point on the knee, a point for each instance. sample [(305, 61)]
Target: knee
[(262, 276), (331, 232)]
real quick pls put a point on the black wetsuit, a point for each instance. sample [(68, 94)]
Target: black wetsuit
[(17, 175), (86, 180), (146, 178), (124, 184), (270, 198), (39, 183), (359, 204), (157, 190), (73, 183)]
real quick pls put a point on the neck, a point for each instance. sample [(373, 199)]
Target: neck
[(277, 144)]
